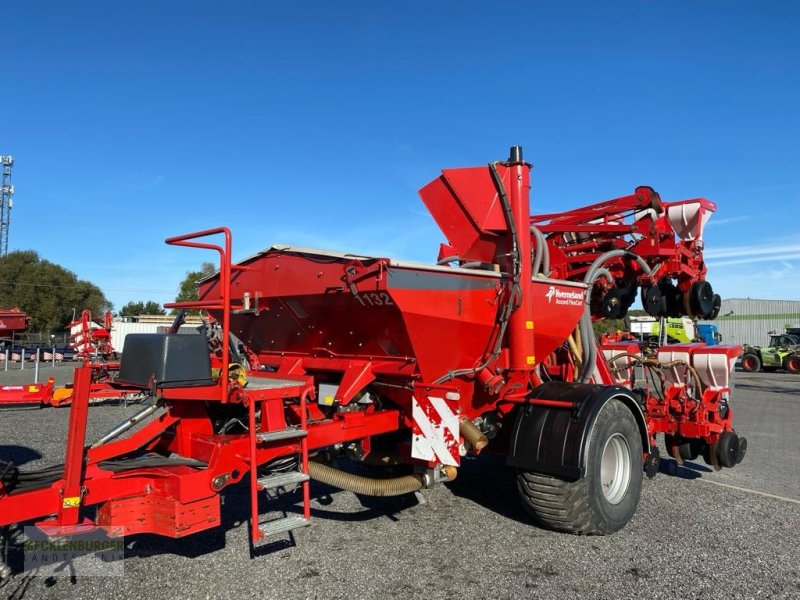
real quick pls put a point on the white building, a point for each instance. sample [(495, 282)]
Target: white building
[(749, 321)]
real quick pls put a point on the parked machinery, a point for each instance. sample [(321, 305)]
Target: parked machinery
[(91, 343), (342, 356), (783, 352)]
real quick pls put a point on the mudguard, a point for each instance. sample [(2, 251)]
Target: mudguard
[(554, 440)]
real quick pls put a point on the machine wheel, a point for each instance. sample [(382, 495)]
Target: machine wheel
[(653, 301), (606, 498), (716, 306), (751, 363), (682, 449), (793, 363), (701, 299)]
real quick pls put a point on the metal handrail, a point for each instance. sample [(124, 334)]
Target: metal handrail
[(224, 287)]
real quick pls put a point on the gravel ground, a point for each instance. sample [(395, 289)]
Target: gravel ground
[(693, 535), (61, 372)]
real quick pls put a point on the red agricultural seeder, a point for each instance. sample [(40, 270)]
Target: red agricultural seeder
[(322, 355), (91, 342)]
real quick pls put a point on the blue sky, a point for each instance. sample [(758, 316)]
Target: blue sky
[(316, 124)]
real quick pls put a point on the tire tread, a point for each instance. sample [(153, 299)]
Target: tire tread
[(563, 505)]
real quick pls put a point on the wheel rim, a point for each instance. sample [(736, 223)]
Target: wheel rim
[(749, 363), (794, 365), (615, 468)]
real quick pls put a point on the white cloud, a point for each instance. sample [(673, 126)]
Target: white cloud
[(746, 260), (757, 270), (729, 220), (779, 250)]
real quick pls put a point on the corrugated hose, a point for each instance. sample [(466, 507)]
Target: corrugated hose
[(368, 486)]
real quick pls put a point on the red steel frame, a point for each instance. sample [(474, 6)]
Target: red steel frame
[(602, 227)]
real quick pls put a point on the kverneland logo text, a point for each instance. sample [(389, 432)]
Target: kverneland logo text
[(553, 292)]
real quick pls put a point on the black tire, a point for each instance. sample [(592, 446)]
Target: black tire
[(792, 363), (582, 507), (751, 362)]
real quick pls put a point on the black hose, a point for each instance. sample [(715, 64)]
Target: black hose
[(9, 475), (179, 320), (505, 203), (514, 294), (25, 481), (149, 460)]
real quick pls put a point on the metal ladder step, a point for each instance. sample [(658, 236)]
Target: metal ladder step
[(281, 525), (282, 434), (280, 480)]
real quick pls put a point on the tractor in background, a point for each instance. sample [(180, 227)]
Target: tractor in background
[(783, 352)]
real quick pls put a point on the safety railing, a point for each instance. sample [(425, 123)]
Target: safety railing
[(224, 287)]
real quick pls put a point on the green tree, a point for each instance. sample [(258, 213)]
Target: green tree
[(134, 309), (187, 291), (46, 291), (612, 325)]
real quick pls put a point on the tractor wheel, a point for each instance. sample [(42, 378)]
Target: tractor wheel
[(793, 363), (606, 498), (751, 363)]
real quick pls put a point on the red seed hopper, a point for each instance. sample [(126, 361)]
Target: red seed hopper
[(411, 319)]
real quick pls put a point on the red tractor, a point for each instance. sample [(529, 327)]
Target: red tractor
[(318, 356)]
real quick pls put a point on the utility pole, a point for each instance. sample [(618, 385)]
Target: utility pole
[(6, 202)]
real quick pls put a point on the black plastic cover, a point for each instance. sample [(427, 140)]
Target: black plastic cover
[(169, 360), (553, 440), (9, 476)]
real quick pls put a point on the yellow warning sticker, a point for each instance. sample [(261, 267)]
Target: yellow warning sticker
[(33, 388), (528, 324), (326, 401), (531, 360), (71, 502)]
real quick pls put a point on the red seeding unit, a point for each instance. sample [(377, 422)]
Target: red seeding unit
[(313, 357), (91, 343)]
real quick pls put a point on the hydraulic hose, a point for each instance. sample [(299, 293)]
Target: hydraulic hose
[(473, 436), (578, 342), (603, 272), (576, 351), (542, 259), (587, 333), (367, 486), (514, 290), (587, 341), (697, 383)]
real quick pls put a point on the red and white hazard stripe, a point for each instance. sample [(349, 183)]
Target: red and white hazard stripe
[(435, 430)]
